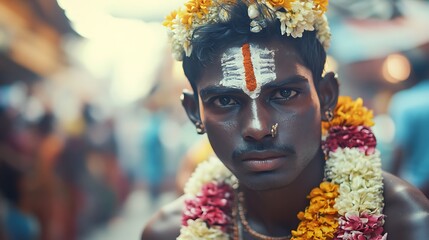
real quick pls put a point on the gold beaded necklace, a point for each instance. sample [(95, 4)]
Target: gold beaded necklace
[(246, 225)]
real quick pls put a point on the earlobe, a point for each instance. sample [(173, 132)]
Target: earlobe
[(190, 104), (328, 94)]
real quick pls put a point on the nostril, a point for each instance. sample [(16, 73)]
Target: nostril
[(257, 135), (250, 139)]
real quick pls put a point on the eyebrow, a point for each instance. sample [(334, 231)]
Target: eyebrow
[(219, 90), (292, 79)]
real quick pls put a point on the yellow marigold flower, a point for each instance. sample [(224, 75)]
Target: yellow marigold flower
[(198, 7), (168, 22), (322, 5), (329, 187), (308, 215), (186, 19), (349, 113), (318, 200), (329, 210)]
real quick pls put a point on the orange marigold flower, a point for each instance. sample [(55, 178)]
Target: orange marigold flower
[(320, 218), (349, 113), (316, 192), (281, 3)]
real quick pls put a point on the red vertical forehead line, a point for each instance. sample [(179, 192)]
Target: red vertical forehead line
[(249, 73)]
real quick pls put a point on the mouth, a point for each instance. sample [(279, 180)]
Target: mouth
[(263, 161)]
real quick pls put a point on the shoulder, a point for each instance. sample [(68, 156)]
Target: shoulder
[(406, 210), (165, 224)]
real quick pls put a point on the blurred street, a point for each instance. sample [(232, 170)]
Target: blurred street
[(130, 221)]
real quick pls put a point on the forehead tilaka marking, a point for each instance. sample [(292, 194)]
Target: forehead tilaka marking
[(248, 68)]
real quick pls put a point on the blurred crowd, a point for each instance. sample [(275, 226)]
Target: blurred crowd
[(67, 170), (56, 185)]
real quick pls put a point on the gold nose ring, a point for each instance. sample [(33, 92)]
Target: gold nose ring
[(274, 130)]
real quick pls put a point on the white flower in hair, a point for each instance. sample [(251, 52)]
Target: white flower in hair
[(253, 11)]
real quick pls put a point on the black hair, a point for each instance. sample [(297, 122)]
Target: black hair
[(207, 41)]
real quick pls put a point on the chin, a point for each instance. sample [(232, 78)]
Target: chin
[(265, 181)]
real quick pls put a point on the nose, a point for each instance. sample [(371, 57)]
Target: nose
[(256, 122)]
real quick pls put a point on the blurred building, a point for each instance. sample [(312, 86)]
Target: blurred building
[(31, 39)]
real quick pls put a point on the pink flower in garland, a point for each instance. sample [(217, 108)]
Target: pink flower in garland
[(213, 205), (360, 137), (365, 226)]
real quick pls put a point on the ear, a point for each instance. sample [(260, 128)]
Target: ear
[(328, 93), (190, 104)]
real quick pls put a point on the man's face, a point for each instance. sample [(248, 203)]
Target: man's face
[(238, 117)]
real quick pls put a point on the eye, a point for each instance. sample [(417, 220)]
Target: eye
[(224, 101), (284, 94)]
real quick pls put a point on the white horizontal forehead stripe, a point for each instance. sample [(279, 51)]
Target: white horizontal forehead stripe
[(234, 71), (263, 65)]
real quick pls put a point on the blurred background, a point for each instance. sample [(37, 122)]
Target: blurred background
[(92, 133)]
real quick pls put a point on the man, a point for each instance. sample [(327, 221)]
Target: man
[(256, 71)]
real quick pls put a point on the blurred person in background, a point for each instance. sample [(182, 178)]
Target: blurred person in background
[(409, 109), (43, 189), (260, 94), (15, 223), (153, 151), (93, 179)]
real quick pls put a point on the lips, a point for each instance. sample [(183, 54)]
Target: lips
[(262, 161)]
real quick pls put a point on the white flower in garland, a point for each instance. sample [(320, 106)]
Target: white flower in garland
[(360, 180), (198, 229), (209, 171), (204, 218)]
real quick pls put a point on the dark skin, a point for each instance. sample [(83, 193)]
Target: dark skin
[(239, 127)]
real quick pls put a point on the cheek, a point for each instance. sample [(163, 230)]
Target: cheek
[(222, 136), (308, 130)]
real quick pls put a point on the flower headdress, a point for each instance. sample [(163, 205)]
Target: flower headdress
[(295, 16)]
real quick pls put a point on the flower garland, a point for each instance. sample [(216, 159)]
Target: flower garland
[(347, 205), (208, 205), (354, 164), (295, 16)]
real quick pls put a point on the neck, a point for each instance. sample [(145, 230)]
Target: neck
[(274, 212)]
